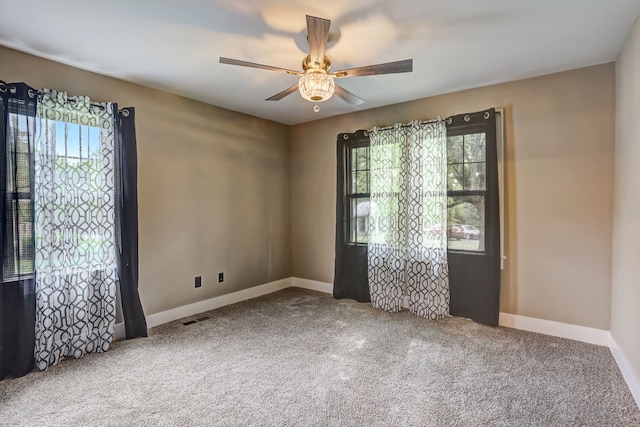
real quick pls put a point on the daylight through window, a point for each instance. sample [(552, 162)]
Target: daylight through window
[(466, 190), (466, 185), (357, 191)]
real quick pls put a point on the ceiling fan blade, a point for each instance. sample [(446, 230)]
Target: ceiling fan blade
[(347, 96), (254, 65), (317, 36), (279, 96), (405, 66)]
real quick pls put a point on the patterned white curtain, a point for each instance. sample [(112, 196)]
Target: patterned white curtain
[(76, 268), (407, 247)]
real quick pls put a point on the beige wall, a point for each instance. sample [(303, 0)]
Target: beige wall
[(213, 186), (222, 191), (625, 309), (559, 184)]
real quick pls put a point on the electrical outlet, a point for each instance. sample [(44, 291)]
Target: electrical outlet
[(198, 281), (220, 277)]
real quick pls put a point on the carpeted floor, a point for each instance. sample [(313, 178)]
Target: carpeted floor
[(301, 358)]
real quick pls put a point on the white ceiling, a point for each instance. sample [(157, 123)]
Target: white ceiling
[(455, 44)]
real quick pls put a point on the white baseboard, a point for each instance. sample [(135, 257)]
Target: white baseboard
[(216, 302), (578, 333), (556, 329), (541, 326), (312, 285), (632, 379), (167, 316)]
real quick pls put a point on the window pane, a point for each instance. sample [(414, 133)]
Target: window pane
[(455, 177), (74, 142), (362, 182), (18, 257), (390, 179), (18, 152), (466, 223), (25, 237), (18, 242), (360, 158), (78, 233), (359, 170), (475, 176), (454, 149), (359, 220), (474, 147)]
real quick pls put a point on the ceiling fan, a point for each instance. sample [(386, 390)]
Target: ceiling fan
[(316, 83)]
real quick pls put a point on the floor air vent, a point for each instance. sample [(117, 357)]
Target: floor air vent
[(199, 319)]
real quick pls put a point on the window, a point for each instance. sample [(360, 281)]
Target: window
[(77, 178), (467, 187), (473, 201), (19, 253), (357, 191), (77, 170), (466, 181), (466, 184)]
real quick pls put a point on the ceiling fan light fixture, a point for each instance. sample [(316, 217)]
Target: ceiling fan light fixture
[(316, 86), (316, 79)]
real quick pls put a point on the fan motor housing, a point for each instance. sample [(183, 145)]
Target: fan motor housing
[(308, 65)]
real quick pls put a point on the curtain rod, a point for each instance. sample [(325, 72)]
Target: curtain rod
[(422, 122), (124, 110), (448, 120)]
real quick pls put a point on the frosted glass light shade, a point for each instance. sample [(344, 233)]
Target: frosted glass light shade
[(316, 87)]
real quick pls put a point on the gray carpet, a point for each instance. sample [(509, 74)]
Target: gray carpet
[(301, 358)]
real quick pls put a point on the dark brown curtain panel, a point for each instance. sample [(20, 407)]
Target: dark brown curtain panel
[(474, 221), (352, 199), (127, 222)]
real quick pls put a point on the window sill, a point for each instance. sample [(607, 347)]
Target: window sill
[(460, 252), (356, 244)]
